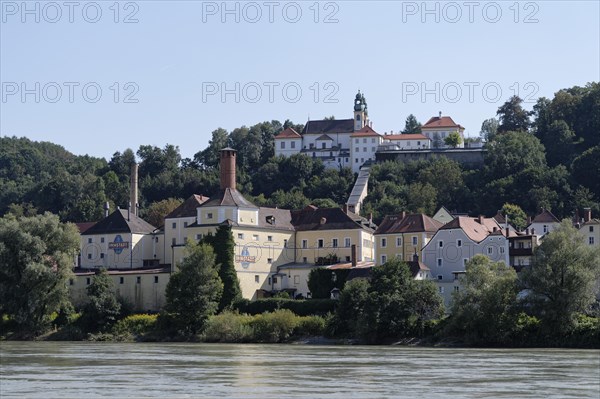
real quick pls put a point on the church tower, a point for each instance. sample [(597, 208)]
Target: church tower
[(361, 115)]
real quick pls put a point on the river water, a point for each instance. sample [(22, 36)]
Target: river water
[(118, 370)]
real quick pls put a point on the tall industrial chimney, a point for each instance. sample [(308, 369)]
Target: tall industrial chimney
[(106, 209), (227, 172), (133, 189)]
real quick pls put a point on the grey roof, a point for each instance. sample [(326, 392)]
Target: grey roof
[(313, 218), (229, 197), (188, 207), (329, 126), (119, 222)]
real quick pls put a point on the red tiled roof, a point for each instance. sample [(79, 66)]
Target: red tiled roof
[(444, 121), (288, 133), (473, 229), (365, 132), (409, 224), (545, 217), (416, 136)]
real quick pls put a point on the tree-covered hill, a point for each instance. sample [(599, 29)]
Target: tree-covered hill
[(548, 157)]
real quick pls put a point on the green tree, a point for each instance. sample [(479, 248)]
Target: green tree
[(515, 215), (512, 116), (563, 278), (512, 153), (453, 140), (210, 156), (437, 141), (36, 258), (194, 291), (397, 305), (489, 129), (103, 308), (559, 143), (585, 166), (156, 212), (224, 247), (350, 312), (484, 310), (411, 126)]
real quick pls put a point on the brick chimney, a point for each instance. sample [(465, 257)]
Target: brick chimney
[(587, 214), (227, 173)]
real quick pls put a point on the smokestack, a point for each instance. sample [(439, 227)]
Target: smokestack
[(353, 254), (507, 232), (106, 209), (480, 219), (587, 214), (133, 188), (440, 114), (227, 173)]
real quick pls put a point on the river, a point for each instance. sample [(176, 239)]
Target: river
[(171, 370)]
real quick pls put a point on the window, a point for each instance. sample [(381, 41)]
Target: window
[(591, 229), (373, 149), (293, 144), (399, 256), (398, 241), (362, 160), (209, 215), (414, 240), (545, 228), (383, 258), (323, 145), (320, 243), (364, 149), (489, 250), (356, 160), (155, 279), (296, 279), (198, 236), (459, 243), (121, 280), (102, 256), (439, 262), (71, 282), (256, 278), (347, 259), (240, 236), (356, 141), (255, 237), (87, 281), (347, 242), (269, 238), (185, 224), (334, 243), (456, 288), (357, 149), (465, 260), (372, 140), (89, 240), (283, 145), (285, 243), (591, 240), (173, 241), (501, 250), (364, 140), (383, 242), (102, 239), (138, 279), (441, 244), (174, 225), (269, 260), (441, 289), (304, 244), (304, 260), (89, 256), (274, 279), (440, 277)]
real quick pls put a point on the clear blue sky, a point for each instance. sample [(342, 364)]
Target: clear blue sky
[(175, 55)]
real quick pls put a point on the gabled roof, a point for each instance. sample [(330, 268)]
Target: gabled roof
[(499, 217), (117, 222), (473, 229), (324, 137), (439, 122), (408, 224), (312, 218), (229, 197), (545, 216), (329, 126), (366, 131), (188, 207), (416, 136), (84, 226), (288, 133), (416, 266)]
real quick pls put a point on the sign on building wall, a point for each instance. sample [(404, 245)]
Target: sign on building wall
[(245, 258), (118, 245)]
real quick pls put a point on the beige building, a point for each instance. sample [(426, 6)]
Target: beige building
[(590, 228), (402, 236)]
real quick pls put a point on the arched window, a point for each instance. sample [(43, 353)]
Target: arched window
[(357, 117)]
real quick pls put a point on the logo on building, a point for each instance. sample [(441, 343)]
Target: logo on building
[(245, 258), (118, 245)]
